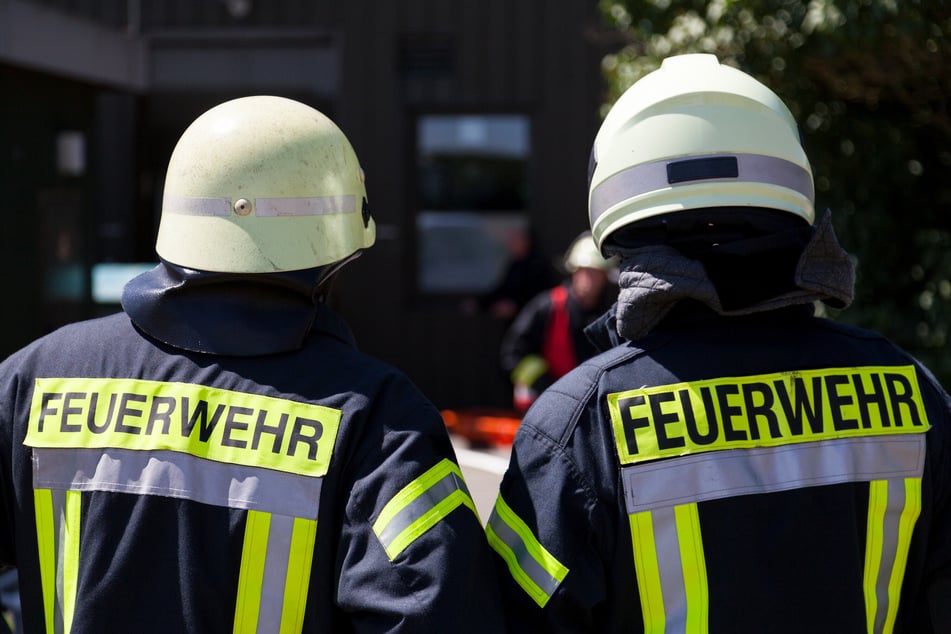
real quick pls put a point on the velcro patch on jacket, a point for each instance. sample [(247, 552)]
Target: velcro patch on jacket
[(766, 410), (199, 420)]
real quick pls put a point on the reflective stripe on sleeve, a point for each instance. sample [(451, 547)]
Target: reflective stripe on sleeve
[(420, 505), (535, 569), (275, 574), (893, 509)]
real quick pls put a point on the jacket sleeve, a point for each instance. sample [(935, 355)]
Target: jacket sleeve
[(413, 556), (526, 334), (552, 537), (937, 574)]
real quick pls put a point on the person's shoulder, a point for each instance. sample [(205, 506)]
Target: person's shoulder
[(76, 342)]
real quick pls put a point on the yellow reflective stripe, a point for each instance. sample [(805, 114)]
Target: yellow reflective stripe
[(535, 569), (648, 573), (765, 410), (906, 528), (420, 505), (877, 501), (215, 424), (46, 540), (886, 550), (250, 579), (694, 568), (299, 563), (71, 533), (529, 369), (671, 569)]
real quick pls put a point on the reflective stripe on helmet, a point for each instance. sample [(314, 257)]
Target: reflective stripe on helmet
[(312, 206), (649, 177)]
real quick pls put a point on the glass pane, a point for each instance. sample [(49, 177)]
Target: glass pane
[(472, 188), (463, 251)]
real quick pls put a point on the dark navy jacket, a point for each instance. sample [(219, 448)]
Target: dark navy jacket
[(768, 473), (172, 491)]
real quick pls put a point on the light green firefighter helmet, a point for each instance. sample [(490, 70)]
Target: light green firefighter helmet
[(263, 184), (696, 134), (584, 254)]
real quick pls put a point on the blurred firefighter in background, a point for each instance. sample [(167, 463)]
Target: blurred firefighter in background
[(547, 338)]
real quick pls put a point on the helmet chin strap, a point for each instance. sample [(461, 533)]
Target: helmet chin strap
[(328, 274)]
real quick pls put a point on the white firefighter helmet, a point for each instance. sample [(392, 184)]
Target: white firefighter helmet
[(584, 254), (696, 134), (263, 184)]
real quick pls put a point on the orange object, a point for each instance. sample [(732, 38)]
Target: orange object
[(483, 425)]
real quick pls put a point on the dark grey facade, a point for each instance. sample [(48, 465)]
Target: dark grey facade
[(95, 94)]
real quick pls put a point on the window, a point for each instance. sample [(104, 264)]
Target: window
[(472, 186)]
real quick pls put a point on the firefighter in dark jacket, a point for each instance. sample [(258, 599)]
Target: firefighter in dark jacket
[(733, 463), (219, 457), (547, 338)]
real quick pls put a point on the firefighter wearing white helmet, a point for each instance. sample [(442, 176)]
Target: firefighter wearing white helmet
[(222, 437), (546, 340), (730, 462), (263, 184)]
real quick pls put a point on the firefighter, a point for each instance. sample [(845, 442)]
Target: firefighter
[(733, 463), (547, 338), (219, 457)]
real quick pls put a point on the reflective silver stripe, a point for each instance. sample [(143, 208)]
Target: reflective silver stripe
[(188, 206), (734, 472), (420, 506), (177, 475), (59, 517), (649, 177), (275, 573), (893, 510), (541, 577), (312, 206), (669, 562), (305, 206)]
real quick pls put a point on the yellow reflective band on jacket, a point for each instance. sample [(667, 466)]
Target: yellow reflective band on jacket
[(671, 570), (765, 410), (420, 505), (535, 569), (206, 422), (58, 520), (662, 500), (529, 370), (893, 510), (275, 574)]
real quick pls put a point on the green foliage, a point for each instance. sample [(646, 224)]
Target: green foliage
[(870, 83)]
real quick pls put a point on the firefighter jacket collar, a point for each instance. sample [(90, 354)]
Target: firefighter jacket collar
[(655, 278), (229, 314)]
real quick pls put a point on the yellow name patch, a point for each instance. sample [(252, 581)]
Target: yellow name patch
[(220, 425), (765, 410)]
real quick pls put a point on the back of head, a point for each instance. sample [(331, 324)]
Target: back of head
[(263, 184), (691, 137)]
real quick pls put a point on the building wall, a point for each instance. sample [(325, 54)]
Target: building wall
[(374, 67)]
